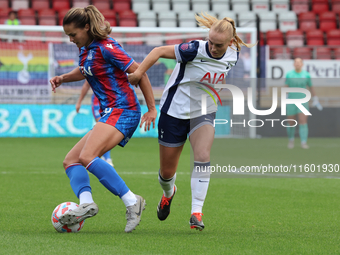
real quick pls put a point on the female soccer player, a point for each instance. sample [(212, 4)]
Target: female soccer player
[(96, 111), (104, 63), (181, 110), (299, 78)]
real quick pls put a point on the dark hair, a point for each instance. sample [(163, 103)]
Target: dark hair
[(99, 28)]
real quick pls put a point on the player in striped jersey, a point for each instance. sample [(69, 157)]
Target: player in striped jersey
[(96, 111), (104, 64), (198, 62)]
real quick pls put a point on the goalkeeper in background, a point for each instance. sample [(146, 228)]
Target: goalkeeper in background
[(299, 78)]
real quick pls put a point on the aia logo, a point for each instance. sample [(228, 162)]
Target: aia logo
[(212, 78)]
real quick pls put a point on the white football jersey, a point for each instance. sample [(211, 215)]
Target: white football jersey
[(196, 73)]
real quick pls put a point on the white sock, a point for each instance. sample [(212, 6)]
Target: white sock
[(167, 185), (200, 179), (85, 198), (129, 198)]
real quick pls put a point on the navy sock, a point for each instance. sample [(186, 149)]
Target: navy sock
[(108, 176), (79, 178)]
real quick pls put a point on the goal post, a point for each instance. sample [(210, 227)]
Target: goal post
[(31, 55)]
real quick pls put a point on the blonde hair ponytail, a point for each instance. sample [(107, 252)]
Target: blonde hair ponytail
[(225, 25)]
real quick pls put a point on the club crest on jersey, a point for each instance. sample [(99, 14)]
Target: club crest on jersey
[(90, 55), (86, 72), (109, 45), (187, 46)]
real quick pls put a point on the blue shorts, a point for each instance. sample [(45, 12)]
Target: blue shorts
[(126, 121), (173, 132)]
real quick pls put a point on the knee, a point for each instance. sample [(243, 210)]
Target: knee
[(85, 159), (68, 161), (202, 155)]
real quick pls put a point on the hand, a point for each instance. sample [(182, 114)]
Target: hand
[(149, 117), (78, 107), (316, 103), (56, 82), (134, 78)]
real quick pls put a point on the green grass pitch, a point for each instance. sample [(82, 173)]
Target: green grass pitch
[(241, 215)]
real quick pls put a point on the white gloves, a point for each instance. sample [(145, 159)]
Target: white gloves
[(316, 103)]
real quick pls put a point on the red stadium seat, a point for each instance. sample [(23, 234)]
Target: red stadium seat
[(303, 52), (320, 7), (4, 4), (281, 53), (274, 37), (307, 21), (337, 53), (102, 5), (4, 12), (173, 41), (327, 21), (127, 23), (113, 22), (333, 37), (40, 5), (315, 37), (128, 14), (300, 6), (294, 38), (28, 21), (109, 14), (26, 13), (47, 22), (121, 6), (132, 35), (323, 53), (60, 5)]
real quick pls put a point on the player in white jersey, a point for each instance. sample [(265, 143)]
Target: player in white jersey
[(200, 65)]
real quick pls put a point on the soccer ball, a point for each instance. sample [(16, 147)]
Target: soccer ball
[(60, 210)]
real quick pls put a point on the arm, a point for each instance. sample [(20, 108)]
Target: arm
[(74, 75), (150, 60), (145, 86), (83, 92)]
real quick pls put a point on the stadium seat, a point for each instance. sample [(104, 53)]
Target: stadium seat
[(247, 19), (280, 53), (60, 5), (28, 21), (186, 19), (47, 22), (173, 41), (4, 4), (102, 5), (147, 19), (327, 21), (240, 6), (229, 14), (307, 21), (335, 6), (323, 53), (80, 3), (302, 52), (47, 17), (274, 37), (160, 6), (260, 5), (26, 13), (61, 14), (127, 23), (20, 4), (287, 21), (167, 19), (279, 6), (315, 37), (140, 6), (200, 6), (121, 6), (127, 15), (218, 6), (113, 22), (320, 7), (136, 41), (109, 14), (336, 53), (300, 6), (180, 5), (333, 37), (294, 38), (40, 5), (267, 21)]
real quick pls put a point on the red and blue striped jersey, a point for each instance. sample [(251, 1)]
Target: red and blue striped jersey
[(104, 64)]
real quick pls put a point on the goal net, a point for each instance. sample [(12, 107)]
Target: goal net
[(31, 55)]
